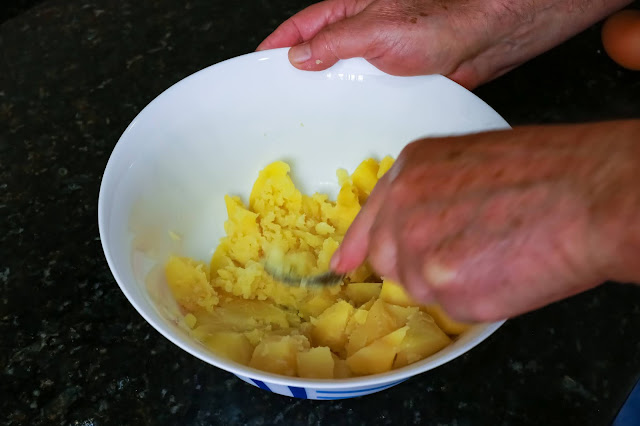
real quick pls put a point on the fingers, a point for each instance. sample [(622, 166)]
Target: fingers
[(383, 247), (420, 232), (355, 246), (305, 24), (445, 273), (348, 38)]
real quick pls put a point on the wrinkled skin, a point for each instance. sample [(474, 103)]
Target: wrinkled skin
[(470, 41), (495, 224)]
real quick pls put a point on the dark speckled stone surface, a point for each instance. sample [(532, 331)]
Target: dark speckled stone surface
[(73, 74)]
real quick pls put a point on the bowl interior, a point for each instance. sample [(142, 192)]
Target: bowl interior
[(210, 134)]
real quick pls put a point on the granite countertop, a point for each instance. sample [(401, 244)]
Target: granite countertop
[(73, 74)]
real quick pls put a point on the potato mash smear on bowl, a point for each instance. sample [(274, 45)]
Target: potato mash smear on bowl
[(364, 325)]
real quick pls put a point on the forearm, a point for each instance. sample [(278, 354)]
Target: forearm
[(553, 21), (517, 31)]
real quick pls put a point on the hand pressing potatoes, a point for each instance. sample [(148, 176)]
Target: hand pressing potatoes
[(495, 224)]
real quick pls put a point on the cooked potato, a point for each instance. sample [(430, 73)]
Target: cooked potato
[(317, 363), (279, 354), (379, 322), (236, 309), (328, 328), (230, 344), (378, 356), (189, 283), (394, 293), (361, 293), (423, 338)]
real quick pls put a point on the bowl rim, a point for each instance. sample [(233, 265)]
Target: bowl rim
[(395, 375)]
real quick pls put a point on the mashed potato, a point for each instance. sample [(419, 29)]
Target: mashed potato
[(362, 326)]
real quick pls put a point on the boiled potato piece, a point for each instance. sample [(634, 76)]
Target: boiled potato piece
[(401, 313), (341, 370), (358, 318), (243, 233), (379, 323), (317, 304), (378, 356), (346, 209), (394, 293), (237, 309), (329, 327), (365, 177), (189, 283), (360, 274), (385, 165), (230, 344), (242, 221), (360, 293), (423, 339), (274, 188), (368, 305), (242, 315), (278, 354), (317, 363)]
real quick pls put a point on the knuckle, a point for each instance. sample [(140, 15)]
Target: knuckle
[(405, 186), (329, 40), (382, 252), (414, 230)]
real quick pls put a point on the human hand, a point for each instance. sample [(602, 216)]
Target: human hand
[(495, 224), (470, 41)]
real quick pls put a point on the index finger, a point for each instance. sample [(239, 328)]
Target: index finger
[(355, 245)]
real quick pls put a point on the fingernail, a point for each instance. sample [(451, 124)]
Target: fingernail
[(438, 275), (300, 53), (335, 260)]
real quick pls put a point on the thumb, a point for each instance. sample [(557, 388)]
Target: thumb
[(348, 38)]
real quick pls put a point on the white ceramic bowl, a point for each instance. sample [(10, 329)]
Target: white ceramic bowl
[(209, 135)]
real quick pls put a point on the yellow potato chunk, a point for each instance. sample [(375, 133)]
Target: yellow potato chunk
[(238, 310), (341, 369), (378, 356), (385, 165), (394, 293), (368, 305), (189, 283), (360, 274), (317, 363), (358, 318), (329, 327), (190, 320), (230, 344), (246, 314), (379, 322), (423, 339), (274, 188), (242, 229), (343, 176), (278, 354), (317, 304), (360, 293), (346, 209), (241, 315), (365, 178), (401, 314)]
